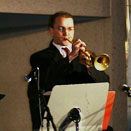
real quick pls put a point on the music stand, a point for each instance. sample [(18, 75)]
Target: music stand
[(108, 109), (90, 98)]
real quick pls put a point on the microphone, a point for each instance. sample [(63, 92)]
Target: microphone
[(73, 115), (31, 75), (126, 88)]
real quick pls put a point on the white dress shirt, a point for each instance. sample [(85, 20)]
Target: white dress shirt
[(62, 52)]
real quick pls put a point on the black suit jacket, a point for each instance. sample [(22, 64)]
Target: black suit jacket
[(56, 70)]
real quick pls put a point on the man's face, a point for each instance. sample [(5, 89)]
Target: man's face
[(63, 29)]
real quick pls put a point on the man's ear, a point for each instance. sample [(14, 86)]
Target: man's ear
[(51, 30)]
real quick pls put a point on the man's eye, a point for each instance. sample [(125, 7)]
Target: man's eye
[(71, 29), (64, 29), (61, 28)]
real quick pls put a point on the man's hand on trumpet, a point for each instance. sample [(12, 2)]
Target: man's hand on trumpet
[(85, 58), (77, 45), (79, 49)]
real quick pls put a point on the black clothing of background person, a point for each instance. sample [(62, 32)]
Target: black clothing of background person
[(56, 70)]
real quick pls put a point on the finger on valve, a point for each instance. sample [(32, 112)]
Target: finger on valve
[(85, 59)]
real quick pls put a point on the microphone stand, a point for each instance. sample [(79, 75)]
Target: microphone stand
[(127, 89), (44, 105), (77, 126), (49, 118)]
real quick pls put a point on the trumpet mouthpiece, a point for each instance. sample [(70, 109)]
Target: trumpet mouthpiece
[(68, 40)]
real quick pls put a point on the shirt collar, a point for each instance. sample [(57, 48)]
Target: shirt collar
[(59, 47)]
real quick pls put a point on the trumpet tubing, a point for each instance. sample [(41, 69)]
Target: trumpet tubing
[(100, 62)]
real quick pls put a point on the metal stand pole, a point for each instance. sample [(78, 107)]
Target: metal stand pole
[(43, 104), (77, 126)]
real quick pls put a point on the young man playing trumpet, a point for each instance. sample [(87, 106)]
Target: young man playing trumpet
[(59, 66)]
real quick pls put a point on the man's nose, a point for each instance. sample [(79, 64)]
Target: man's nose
[(65, 32)]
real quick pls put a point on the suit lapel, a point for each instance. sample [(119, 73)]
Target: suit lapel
[(55, 52)]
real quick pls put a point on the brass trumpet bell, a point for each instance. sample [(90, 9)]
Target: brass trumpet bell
[(102, 62)]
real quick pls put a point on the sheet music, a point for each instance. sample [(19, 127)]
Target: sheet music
[(90, 98)]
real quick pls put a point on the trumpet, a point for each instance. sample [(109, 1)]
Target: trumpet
[(100, 62)]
